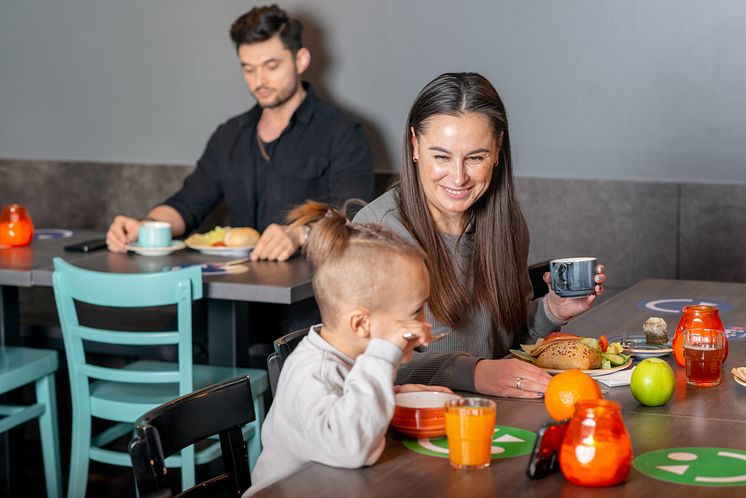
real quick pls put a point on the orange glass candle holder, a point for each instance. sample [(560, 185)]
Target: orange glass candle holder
[(596, 450), (696, 317), (16, 228)]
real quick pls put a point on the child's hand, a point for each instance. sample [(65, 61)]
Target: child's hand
[(419, 330), (408, 388)]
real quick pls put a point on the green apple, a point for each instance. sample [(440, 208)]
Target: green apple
[(652, 382)]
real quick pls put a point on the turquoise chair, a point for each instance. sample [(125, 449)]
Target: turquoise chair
[(123, 394), (22, 366)]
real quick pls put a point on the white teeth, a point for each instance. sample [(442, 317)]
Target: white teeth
[(455, 192)]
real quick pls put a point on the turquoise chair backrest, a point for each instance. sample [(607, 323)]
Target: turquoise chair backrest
[(138, 290)]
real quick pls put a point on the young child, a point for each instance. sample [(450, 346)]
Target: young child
[(335, 395)]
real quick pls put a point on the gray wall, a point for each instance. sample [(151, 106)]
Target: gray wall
[(637, 89)]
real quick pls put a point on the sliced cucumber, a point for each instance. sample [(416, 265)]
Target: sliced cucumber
[(605, 364), (615, 359)]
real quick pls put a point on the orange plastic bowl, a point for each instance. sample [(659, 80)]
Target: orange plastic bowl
[(421, 414)]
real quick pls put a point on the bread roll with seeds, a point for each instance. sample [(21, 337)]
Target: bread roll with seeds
[(569, 354)]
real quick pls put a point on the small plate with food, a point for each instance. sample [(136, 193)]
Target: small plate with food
[(224, 241), (559, 352), (636, 345), (652, 344)]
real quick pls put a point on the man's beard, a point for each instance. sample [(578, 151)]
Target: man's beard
[(282, 97)]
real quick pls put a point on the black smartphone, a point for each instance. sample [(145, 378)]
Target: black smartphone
[(87, 245), (545, 456)]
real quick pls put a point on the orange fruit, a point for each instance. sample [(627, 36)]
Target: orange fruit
[(566, 389)]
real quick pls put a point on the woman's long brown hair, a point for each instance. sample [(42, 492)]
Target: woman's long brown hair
[(500, 233)]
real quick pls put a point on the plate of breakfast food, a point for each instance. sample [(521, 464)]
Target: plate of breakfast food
[(224, 241), (558, 352)]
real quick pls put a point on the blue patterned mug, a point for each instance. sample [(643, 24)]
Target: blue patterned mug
[(573, 277)]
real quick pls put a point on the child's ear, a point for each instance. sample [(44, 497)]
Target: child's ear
[(358, 321)]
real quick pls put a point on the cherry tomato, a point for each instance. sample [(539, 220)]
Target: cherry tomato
[(218, 244), (603, 343)]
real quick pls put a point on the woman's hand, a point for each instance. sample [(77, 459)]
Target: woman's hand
[(510, 378), (564, 309), (410, 388)]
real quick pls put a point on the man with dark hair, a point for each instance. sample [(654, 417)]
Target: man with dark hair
[(288, 148)]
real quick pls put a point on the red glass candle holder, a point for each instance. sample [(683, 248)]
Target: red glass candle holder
[(16, 228), (596, 450)]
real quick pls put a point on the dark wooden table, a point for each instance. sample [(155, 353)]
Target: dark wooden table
[(265, 282), (17, 265), (713, 417), (228, 331)]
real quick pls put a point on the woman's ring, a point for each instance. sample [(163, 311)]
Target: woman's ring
[(518, 383)]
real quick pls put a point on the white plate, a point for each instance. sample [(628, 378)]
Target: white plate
[(155, 251), (220, 250), (739, 381), (596, 372), (639, 347)]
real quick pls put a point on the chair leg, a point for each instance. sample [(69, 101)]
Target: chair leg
[(50, 441), (187, 468), (80, 450), (255, 441)]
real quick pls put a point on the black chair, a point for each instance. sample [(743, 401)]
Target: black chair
[(283, 347), (220, 409), (536, 275)]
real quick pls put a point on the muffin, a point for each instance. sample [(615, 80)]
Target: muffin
[(655, 330)]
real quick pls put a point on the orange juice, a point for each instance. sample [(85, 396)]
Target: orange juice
[(470, 424)]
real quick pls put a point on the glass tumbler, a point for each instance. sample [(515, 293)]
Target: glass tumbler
[(470, 423), (703, 354)]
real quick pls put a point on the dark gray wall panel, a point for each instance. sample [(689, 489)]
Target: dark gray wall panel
[(86, 195), (628, 226), (713, 232)]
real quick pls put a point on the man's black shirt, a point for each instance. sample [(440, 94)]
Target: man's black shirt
[(321, 155)]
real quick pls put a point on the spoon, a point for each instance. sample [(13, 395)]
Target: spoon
[(411, 335)]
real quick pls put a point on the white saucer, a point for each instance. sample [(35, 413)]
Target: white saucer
[(155, 251)]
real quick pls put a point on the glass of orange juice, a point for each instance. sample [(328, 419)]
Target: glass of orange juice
[(470, 423)]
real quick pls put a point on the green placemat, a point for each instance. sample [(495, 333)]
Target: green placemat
[(695, 466), (507, 442)]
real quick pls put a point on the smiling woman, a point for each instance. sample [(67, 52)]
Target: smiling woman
[(456, 200)]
